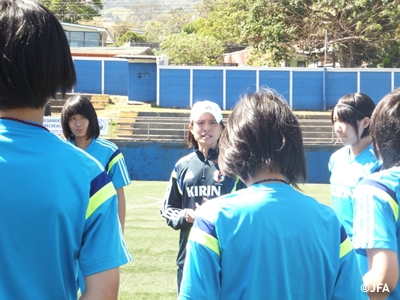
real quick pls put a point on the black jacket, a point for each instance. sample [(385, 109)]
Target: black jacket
[(194, 178)]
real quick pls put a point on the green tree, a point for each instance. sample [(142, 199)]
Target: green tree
[(72, 11), (155, 31), (360, 32), (390, 55), (130, 36), (166, 24), (222, 19), (265, 30), (120, 28), (184, 49)]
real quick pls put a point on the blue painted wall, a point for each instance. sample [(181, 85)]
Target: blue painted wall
[(142, 85), (115, 78), (238, 82), (339, 84), (88, 73), (307, 91), (396, 79), (278, 80), (317, 157), (376, 84), (150, 160), (303, 89), (175, 87), (207, 84), (155, 161)]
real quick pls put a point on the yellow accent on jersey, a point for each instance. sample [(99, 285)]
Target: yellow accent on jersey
[(204, 239), (395, 207), (101, 196), (114, 161), (345, 247)]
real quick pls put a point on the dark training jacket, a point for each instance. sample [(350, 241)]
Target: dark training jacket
[(194, 178)]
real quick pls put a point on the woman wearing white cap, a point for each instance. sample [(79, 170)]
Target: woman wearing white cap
[(196, 177)]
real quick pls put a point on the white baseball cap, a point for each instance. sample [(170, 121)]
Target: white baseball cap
[(206, 106)]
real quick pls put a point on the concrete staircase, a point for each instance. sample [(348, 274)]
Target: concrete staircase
[(99, 102), (165, 126), (317, 129), (133, 124), (153, 126)]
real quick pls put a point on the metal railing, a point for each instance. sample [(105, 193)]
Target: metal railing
[(147, 132)]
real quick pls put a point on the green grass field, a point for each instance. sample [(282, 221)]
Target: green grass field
[(153, 245)]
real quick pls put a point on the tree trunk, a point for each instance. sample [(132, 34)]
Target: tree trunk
[(351, 61)]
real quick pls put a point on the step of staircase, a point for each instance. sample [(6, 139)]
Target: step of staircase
[(99, 102), (173, 126)]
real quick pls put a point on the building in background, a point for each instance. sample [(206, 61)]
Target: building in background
[(87, 36)]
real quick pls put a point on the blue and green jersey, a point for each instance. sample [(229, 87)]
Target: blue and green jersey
[(269, 241)]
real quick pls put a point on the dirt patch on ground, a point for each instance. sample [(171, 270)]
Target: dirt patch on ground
[(120, 104), (116, 105)]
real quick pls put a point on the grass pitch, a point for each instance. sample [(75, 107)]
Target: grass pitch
[(153, 245)]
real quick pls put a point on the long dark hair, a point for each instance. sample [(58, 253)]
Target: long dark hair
[(263, 132)]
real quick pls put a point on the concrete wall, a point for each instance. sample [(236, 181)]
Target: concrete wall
[(315, 89), (142, 82), (155, 161)]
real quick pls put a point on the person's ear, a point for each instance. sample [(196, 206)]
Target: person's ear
[(365, 122)]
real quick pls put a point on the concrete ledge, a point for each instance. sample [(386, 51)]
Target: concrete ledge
[(100, 98), (143, 157)]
